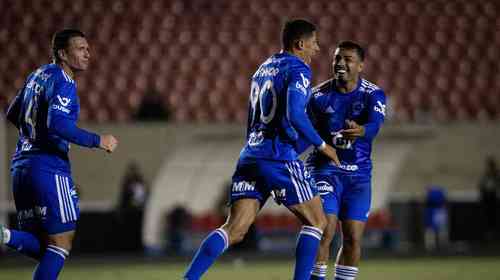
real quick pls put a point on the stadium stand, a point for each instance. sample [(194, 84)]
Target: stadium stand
[(422, 52)]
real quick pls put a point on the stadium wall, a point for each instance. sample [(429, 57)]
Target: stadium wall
[(190, 164)]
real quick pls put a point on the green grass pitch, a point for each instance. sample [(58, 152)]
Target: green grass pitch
[(456, 268)]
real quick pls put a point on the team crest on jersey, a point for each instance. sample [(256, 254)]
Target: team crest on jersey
[(357, 107), (63, 100)]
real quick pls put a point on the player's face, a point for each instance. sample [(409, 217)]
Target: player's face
[(77, 54), (310, 47), (346, 65)]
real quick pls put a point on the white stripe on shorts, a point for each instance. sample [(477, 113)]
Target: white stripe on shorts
[(60, 200), (66, 205), (295, 184), (306, 185), (300, 179), (65, 199), (71, 204)]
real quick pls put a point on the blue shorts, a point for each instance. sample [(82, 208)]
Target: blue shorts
[(46, 202), (287, 181), (346, 196)]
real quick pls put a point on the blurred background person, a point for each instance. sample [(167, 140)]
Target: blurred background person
[(489, 189)]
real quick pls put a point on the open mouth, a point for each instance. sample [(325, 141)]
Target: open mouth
[(340, 71)]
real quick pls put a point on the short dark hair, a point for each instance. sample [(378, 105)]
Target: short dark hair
[(350, 45), (294, 30), (60, 41)]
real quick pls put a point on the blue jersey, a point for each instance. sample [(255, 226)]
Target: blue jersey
[(329, 110), (46, 112), (277, 119)]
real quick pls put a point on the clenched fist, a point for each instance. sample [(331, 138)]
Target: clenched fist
[(108, 143)]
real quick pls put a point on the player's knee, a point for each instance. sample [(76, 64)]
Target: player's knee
[(237, 235), (320, 222), (328, 234), (63, 241), (235, 232), (351, 242)]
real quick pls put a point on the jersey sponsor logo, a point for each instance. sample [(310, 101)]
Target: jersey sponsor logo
[(318, 94), (349, 167), (305, 84), (305, 81), (63, 100), (243, 186), (380, 107), (324, 187), (60, 108), (301, 87)]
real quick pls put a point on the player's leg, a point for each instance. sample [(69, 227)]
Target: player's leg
[(320, 269), (26, 240), (297, 192), (52, 261), (246, 201), (348, 263), (355, 209), (314, 222), (59, 214), (330, 189), (242, 215)]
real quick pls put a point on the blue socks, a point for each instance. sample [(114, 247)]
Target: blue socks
[(51, 263), (217, 242), (343, 272), (211, 248), (305, 253), (319, 272), (25, 243)]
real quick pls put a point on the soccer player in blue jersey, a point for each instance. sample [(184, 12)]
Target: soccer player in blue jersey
[(45, 111), (348, 111), (269, 164)]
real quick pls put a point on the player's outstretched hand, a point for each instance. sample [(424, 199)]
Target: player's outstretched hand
[(108, 143), (330, 152), (353, 131)]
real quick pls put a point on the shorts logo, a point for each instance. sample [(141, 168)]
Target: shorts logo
[(279, 194), (324, 187), (255, 138), (243, 186), (37, 212)]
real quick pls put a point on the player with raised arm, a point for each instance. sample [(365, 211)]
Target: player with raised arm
[(348, 111), (45, 111), (280, 89)]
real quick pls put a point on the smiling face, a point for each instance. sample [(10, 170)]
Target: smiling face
[(347, 65)]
